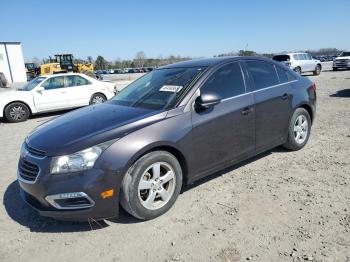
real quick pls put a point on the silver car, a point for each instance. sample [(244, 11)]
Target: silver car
[(300, 62)]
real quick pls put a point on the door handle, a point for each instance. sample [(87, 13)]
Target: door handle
[(284, 97), (246, 111)]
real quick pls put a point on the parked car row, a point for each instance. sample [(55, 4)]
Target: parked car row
[(326, 58), (124, 71)]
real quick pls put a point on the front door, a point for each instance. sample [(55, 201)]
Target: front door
[(53, 97), (224, 132)]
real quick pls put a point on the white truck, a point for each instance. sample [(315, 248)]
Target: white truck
[(342, 61)]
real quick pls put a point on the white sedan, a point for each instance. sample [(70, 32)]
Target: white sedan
[(53, 93)]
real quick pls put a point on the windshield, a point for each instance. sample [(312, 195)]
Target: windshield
[(281, 58), (30, 85), (345, 54), (159, 89)]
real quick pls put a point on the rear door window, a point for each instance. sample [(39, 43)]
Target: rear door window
[(76, 80), (227, 81), (296, 57), (302, 56), (263, 74)]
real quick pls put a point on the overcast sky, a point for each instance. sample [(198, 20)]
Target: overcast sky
[(119, 29)]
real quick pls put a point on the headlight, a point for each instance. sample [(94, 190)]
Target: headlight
[(78, 161)]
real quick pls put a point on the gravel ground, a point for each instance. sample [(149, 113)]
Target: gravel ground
[(279, 206)]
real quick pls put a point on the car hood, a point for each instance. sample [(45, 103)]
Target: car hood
[(90, 126), (342, 57), (16, 94)]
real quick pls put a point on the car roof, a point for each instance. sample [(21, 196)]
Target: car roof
[(63, 74), (210, 62)]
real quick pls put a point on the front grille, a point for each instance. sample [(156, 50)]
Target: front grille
[(28, 171), (35, 152)]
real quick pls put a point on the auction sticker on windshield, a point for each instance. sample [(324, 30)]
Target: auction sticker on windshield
[(171, 88)]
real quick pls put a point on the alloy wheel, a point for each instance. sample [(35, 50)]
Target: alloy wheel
[(98, 100), (17, 113), (157, 185), (301, 129)]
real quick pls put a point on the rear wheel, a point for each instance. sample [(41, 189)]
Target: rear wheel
[(317, 70), (298, 70), (16, 112), (299, 130), (152, 185), (97, 99)]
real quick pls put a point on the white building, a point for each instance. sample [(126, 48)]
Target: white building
[(11, 62)]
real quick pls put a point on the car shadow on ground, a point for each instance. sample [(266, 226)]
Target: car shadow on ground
[(205, 179), (342, 93), (23, 214)]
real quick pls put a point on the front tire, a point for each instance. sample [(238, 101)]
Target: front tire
[(16, 112), (299, 130), (151, 185)]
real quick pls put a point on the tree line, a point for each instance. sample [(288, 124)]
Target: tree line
[(140, 60)]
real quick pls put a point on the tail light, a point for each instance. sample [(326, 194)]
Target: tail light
[(313, 86)]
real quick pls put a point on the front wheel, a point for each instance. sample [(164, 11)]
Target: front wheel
[(152, 185), (16, 112), (299, 130)]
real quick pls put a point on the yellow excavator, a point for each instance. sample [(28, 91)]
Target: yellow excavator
[(63, 63)]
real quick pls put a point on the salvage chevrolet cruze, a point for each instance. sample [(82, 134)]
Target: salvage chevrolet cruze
[(173, 126)]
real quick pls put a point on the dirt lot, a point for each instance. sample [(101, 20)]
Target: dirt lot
[(279, 206)]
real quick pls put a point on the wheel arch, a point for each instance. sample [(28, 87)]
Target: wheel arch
[(308, 109), (18, 101), (167, 148)]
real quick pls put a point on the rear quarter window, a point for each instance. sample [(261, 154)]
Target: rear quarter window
[(263, 74), (282, 74)]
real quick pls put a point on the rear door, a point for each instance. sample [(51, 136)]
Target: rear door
[(226, 131), (273, 103), (79, 90), (53, 97)]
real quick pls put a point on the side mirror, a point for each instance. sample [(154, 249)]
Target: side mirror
[(207, 100), (39, 89)]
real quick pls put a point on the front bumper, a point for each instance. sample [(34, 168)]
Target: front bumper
[(341, 64), (91, 182)]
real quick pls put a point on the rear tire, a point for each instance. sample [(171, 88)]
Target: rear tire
[(151, 185), (317, 70), (299, 130), (98, 99), (16, 112), (298, 70)]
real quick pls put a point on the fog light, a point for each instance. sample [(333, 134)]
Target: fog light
[(108, 193)]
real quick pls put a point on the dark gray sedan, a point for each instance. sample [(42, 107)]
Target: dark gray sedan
[(169, 128)]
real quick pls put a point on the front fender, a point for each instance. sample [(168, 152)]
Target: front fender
[(166, 133)]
